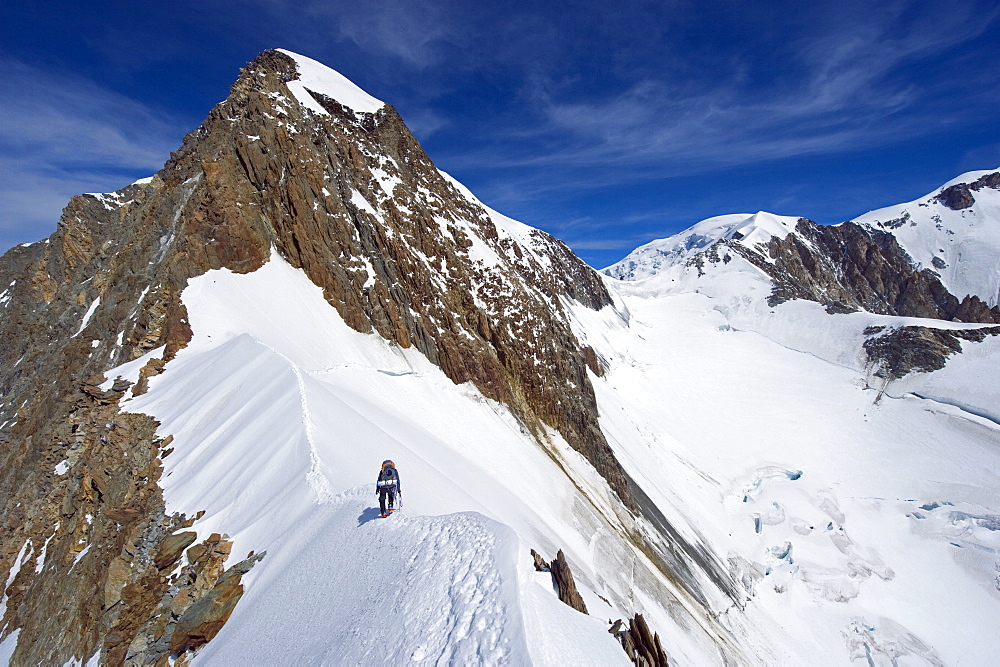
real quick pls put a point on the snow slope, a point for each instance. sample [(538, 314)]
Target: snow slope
[(963, 247), (281, 416)]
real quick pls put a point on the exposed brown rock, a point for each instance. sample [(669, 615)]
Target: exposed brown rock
[(899, 351), (565, 585), (202, 620), (991, 181), (957, 197), (642, 646), (849, 267), (172, 547)]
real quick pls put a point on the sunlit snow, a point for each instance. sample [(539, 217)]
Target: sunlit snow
[(319, 78)]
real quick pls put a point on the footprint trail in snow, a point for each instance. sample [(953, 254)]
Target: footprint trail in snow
[(430, 590)]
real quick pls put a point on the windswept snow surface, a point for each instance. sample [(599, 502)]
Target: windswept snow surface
[(317, 77), (963, 247), (281, 416)]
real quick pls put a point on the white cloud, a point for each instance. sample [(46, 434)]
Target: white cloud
[(63, 135)]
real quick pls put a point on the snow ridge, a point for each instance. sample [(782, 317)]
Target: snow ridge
[(446, 586), (315, 477), (317, 77)]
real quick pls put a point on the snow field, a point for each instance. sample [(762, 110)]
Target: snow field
[(777, 457)]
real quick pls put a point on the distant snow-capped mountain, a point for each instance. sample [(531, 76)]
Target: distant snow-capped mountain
[(658, 256), (953, 232)]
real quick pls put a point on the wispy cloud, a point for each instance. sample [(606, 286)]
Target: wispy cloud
[(986, 156), (412, 31), (63, 135), (834, 93), (415, 34)]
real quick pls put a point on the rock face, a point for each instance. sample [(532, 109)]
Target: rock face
[(849, 267), (95, 564), (898, 351), (351, 198), (958, 197)]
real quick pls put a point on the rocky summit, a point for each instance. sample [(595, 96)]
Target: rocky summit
[(349, 197)]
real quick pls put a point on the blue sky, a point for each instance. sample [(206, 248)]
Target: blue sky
[(606, 124)]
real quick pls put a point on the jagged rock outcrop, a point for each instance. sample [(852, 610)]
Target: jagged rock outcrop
[(641, 645), (959, 196), (351, 198), (96, 564), (562, 578)]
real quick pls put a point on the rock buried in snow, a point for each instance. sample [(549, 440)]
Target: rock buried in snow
[(642, 646), (563, 579), (540, 564)]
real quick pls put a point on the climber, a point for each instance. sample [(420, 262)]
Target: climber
[(388, 485)]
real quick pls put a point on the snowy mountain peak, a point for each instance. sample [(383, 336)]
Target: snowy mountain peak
[(761, 227), (315, 77), (658, 256)]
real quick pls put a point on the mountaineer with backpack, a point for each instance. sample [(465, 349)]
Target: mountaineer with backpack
[(388, 485)]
